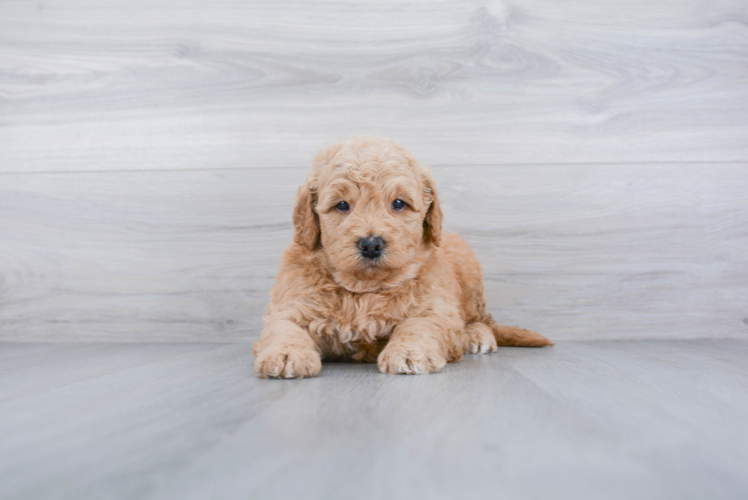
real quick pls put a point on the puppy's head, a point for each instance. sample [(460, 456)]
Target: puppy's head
[(370, 208)]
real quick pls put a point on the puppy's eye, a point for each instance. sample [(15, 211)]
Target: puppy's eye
[(398, 204), (343, 206)]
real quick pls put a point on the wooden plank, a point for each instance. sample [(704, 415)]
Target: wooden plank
[(582, 420), (90, 86), (574, 251)]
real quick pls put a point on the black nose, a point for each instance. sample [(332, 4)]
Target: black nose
[(371, 247)]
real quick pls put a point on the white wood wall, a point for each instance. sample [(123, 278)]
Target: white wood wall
[(595, 154)]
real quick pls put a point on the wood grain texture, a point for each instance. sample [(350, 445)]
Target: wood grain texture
[(88, 86), (574, 251), (593, 153), (582, 420)]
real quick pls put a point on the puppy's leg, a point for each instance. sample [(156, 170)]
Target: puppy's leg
[(418, 345), (285, 350), (478, 339), (473, 302)]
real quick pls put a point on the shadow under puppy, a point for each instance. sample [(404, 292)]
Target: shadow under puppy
[(370, 277)]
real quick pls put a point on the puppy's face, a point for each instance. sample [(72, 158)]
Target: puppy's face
[(369, 207), (371, 217)]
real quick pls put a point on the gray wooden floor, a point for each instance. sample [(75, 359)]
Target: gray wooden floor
[(582, 420)]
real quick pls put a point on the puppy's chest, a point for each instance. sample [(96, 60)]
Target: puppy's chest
[(361, 318)]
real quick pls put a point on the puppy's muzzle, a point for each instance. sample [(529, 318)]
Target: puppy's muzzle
[(371, 247)]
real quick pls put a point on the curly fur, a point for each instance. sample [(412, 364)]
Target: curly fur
[(417, 307)]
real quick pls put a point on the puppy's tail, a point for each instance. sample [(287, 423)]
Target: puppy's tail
[(516, 337)]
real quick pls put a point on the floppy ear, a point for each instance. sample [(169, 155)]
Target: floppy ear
[(432, 223), (305, 219)]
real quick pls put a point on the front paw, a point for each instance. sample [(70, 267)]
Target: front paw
[(409, 359), (287, 362)]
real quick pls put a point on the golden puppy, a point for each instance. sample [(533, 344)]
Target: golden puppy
[(370, 277)]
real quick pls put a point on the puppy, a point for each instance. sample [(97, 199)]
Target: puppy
[(370, 277)]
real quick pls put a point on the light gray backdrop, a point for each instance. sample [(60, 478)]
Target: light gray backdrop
[(594, 153)]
